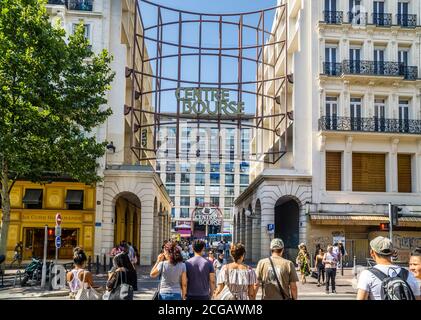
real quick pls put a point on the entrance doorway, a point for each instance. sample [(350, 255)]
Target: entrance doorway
[(287, 213)]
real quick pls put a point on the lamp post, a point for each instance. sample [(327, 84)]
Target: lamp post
[(44, 264)]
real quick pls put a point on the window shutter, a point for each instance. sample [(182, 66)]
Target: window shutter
[(404, 173), (368, 172), (333, 171)]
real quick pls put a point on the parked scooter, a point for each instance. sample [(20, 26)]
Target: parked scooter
[(34, 271)]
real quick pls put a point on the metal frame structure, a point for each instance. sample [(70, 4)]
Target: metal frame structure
[(156, 59)]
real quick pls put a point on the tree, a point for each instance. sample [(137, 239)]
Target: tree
[(52, 95)]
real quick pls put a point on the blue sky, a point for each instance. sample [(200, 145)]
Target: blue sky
[(210, 38)]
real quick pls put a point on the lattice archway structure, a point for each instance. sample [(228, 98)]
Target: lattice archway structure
[(191, 80)]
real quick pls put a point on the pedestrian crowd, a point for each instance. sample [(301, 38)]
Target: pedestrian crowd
[(194, 271)]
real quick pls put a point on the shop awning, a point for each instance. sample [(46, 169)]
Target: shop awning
[(74, 197), (365, 220), (32, 196)]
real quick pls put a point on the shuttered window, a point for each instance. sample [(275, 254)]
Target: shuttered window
[(404, 173), (333, 171), (368, 172)]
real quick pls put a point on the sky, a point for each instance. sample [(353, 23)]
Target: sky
[(210, 39)]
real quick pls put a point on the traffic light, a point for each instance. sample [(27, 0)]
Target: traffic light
[(395, 215), (384, 227)]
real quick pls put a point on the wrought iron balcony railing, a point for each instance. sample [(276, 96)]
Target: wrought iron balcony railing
[(379, 68), (407, 20), (334, 17), (358, 18), (79, 5), (382, 19), (374, 124), (332, 68)]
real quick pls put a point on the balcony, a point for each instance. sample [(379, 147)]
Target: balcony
[(334, 17), (358, 18), (407, 20), (79, 5), (380, 125), (371, 68), (382, 19)]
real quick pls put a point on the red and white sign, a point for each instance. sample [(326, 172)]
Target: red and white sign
[(58, 219)]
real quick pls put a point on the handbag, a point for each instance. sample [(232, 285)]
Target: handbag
[(281, 290), (86, 292), (124, 291), (314, 274), (156, 294)]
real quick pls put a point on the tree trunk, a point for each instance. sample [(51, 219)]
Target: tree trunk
[(5, 221)]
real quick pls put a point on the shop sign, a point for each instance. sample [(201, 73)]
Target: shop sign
[(211, 101), (208, 216)]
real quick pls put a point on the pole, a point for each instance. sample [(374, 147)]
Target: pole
[(355, 266), (390, 223), (44, 262), (342, 265)]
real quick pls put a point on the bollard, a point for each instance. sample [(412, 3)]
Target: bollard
[(89, 263), (355, 266), (97, 264), (105, 263)]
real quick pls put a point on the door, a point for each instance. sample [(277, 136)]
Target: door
[(361, 250), (330, 57), (378, 13), (379, 115), (355, 60), (403, 116), (403, 13), (356, 114), (403, 62), (379, 61), (331, 113)]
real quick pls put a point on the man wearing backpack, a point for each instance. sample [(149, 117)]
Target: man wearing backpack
[(386, 281)]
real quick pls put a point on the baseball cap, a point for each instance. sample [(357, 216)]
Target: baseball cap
[(276, 244), (382, 246)]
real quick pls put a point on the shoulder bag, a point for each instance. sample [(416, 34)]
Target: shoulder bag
[(86, 292), (281, 290), (124, 291)]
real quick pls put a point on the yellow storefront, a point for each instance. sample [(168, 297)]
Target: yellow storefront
[(34, 206)]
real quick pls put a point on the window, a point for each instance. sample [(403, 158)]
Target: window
[(379, 54), (74, 199), (244, 179), (185, 190), (379, 115), (356, 123), (403, 116), (200, 167), (158, 166), (244, 167), (214, 190), (170, 189), (330, 61), (184, 213), (331, 113), (214, 178), (229, 202), (170, 178), (368, 172), (333, 171), (172, 198), (199, 201), (214, 167), (184, 167), (242, 188), (170, 166), (227, 214), (214, 201), (404, 173), (33, 198), (355, 60), (229, 191), (229, 179), (87, 30), (173, 212), (185, 201), (230, 167), (200, 179), (185, 178), (200, 190)]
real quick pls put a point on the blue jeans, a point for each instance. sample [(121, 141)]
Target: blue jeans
[(170, 296)]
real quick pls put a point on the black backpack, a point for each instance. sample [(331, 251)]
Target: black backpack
[(394, 288)]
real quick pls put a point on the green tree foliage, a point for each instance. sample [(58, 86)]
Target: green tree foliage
[(53, 90)]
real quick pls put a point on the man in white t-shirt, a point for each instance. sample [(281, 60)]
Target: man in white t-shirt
[(369, 285)]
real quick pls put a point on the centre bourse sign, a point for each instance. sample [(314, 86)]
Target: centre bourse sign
[(210, 101)]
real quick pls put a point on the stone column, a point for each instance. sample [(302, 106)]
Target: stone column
[(147, 233), (347, 164), (322, 163), (249, 235), (268, 217), (256, 236), (393, 166), (417, 168)]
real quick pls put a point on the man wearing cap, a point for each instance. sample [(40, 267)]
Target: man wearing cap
[(281, 285), (369, 285)]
